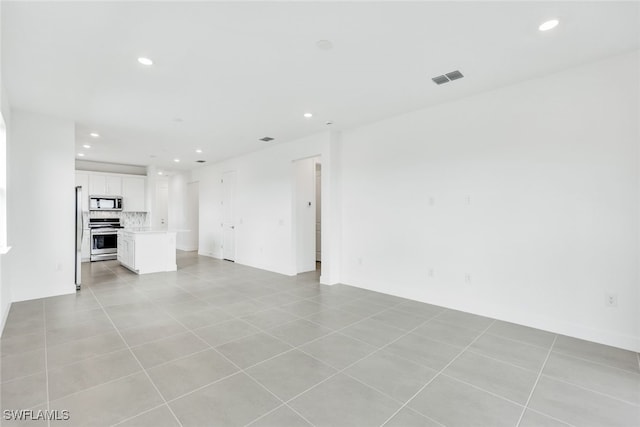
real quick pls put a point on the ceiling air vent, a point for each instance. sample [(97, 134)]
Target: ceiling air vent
[(440, 80), (266, 139), (454, 75), (449, 77), (200, 161)]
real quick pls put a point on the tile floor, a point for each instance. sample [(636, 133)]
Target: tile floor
[(220, 344)]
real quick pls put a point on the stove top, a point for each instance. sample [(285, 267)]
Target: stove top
[(104, 223)]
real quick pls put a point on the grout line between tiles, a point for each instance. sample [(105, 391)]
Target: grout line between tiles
[(137, 360), (549, 416), (137, 415), (606, 365), (561, 380), (306, 318), (438, 374), (535, 384), (241, 370)]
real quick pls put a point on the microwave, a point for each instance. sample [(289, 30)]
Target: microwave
[(105, 203)]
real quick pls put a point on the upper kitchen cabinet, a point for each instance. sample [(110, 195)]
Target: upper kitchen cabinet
[(82, 180), (133, 194), (105, 185)]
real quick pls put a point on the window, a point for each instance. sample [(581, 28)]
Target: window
[(3, 186)]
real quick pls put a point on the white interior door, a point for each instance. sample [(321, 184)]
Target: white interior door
[(318, 213), (193, 212), (161, 209), (305, 212), (228, 217)]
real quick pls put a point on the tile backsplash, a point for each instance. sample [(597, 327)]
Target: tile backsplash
[(127, 219)]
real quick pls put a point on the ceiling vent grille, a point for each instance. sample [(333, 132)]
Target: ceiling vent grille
[(266, 139), (440, 80), (200, 161), (446, 78)]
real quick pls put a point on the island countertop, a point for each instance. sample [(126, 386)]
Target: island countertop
[(147, 230)]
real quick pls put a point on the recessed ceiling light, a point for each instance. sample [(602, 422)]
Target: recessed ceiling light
[(80, 154), (176, 160), (548, 25), (145, 61), (324, 44), (198, 151), (86, 146), (159, 172), (95, 135), (308, 115)]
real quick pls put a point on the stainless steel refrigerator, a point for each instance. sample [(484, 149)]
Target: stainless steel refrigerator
[(79, 236)]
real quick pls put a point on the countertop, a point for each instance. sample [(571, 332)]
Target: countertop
[(150, 230)]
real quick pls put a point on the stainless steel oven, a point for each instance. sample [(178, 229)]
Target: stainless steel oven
[(104, 238)]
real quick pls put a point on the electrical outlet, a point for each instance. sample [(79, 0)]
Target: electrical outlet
[(430, 272), (359, 261), (467, 278), (432, 201), (611, 300)]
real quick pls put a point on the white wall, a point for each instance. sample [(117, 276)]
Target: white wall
[(41, 228), (263, 204), (520, 204)]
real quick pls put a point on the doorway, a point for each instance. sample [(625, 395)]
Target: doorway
[(161, 208), (192, 216), (228, 218), (318, 215), (307, 214)]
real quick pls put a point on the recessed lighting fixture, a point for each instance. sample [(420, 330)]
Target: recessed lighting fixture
[(159, 172), (86, 146), (328, 123), (324, 44), (176, 160), (308, 115), (198, 151), (548, 25), (80, 154), (266, 139), (145, 61), (94, 135)]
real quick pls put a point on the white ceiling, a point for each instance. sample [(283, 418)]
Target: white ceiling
[(235, 72)]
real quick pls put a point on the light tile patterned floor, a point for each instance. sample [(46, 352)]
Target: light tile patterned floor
[(220, 344)]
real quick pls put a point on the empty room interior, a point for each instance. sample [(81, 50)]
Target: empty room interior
[(345, 214)]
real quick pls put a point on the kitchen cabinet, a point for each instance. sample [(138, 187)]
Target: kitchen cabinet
[(147, 250), (131, 188), (105, 185), (133, 194), (126, 250), (82, 180)]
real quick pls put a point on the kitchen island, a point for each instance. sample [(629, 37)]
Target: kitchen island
[(147, 250)]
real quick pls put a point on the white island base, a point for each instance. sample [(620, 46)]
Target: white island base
[(146, 251)]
